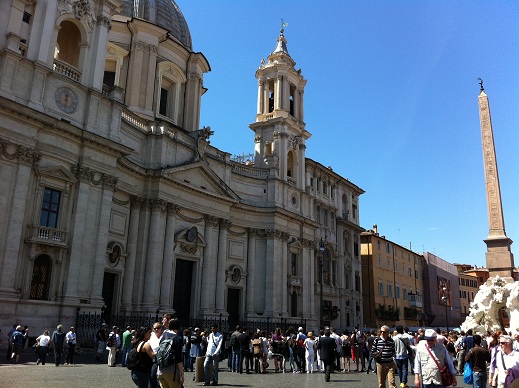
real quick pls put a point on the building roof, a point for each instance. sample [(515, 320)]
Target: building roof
[(164, 13)]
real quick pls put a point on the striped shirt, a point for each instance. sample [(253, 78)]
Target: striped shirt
[(387, 347)]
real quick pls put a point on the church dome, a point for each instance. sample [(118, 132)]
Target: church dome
[(164, 13)]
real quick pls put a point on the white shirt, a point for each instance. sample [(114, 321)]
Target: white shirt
[(214, 344), (43, 340), (71, 338)]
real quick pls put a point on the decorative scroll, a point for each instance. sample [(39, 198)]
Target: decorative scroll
[(94, 177), (11, 151)]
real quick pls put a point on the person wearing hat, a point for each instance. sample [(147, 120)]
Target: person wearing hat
[(429, 353), (506, 365)]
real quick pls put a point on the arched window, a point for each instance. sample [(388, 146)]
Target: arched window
[(68, 45), (40, 282)]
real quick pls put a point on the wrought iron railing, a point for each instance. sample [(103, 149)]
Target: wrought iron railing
[(89, 323)]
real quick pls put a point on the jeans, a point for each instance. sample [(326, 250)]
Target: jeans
[(236, 360), (141, 379), (244, 357), (154, 380), (124, 355), (402, 369), (214, 360), (480, 379), (58, 352)]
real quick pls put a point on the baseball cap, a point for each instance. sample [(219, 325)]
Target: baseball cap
[(430, 334)]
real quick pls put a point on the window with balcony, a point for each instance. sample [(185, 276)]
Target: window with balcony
[(40, 282), (50, 208)]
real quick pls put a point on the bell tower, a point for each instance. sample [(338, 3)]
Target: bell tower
[(280, 135), (499, 256)]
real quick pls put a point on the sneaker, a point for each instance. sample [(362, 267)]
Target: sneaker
[(38, 362)]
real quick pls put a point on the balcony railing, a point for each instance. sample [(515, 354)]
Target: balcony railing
[(52, 236), (415, 300), (66, 70)]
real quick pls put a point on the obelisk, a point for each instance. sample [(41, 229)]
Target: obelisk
[(499, 257)]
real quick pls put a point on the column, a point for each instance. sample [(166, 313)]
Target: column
[(101, 242), (265, 97), (251, 272), (169, 258), (15, 220), (270, 294), (155, 254), (284, 275), (75, 256), (278, 93), (131, 248), (98, 50), (142, 249), (208, 266), (297, 101), (222, 264), (260, 97)]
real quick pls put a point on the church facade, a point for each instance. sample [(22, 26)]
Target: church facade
[(112, 195)]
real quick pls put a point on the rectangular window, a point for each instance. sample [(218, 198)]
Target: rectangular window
[(396, 266), (379, 261), (388, 264), (293, 263), (354, 211), (163, 107), (410, 272), (388, 248), (381, 288), (50, 208), (356, 249), (390, 290), (357, 281), (397, 291), (26, 18), (404, 293)]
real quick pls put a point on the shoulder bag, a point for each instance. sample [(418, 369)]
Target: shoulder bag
[(447, 377)]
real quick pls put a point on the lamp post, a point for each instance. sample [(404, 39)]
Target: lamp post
[(445, 301), (321, 259)]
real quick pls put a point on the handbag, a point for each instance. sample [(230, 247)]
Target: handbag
[(467, 373), (446, 375)]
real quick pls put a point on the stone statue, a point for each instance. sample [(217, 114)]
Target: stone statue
[(495, 294), (202, 142)]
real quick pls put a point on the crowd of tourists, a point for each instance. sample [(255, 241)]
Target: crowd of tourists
[(436, 357), (161, 355)]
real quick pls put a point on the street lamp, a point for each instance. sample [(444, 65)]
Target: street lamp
[(445, 301), (321, 259)]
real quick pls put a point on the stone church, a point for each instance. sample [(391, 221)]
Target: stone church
[(112, 195)]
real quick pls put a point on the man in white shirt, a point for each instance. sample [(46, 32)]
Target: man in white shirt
[(70, 340), (154, 342), (112, 344), (212, 355), (506, 365)]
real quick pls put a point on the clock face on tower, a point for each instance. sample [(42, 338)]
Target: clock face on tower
[(66, 99)]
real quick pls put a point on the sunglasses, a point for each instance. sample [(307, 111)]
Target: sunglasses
[(156, 328), (384, 332), (503, 343)]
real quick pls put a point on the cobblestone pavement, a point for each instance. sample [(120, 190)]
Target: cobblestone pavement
[(86, 373)]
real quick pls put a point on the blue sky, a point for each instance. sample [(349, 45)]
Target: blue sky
[(391, 102)]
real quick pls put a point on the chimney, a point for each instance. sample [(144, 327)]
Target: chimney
[(375, 229)]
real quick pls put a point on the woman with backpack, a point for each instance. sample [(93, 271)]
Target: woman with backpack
[(140, 358)]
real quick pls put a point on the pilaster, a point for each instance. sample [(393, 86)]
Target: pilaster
[(129, 265), (222, 263), (169, 258)]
